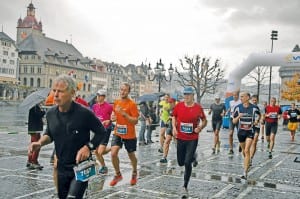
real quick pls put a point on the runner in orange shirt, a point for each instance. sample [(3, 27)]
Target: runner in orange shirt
[(125, 114)]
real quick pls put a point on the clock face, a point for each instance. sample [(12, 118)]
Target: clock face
[(23, 35)]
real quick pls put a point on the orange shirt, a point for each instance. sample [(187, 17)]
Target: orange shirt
[(124, 128)]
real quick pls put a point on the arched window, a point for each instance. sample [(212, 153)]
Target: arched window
[(31, 81), (25, 81), (84, 87), (89, 87), (50, 83), (38, 82)]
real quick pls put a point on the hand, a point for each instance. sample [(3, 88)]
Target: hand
[(120, 110), (82, 154), (198, 129), (34, 146), (113, 116), (106, 122)]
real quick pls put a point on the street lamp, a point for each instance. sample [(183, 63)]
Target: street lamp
[(160, 73), (274, 35)]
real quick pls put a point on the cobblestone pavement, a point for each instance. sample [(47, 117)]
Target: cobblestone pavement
[(216, 176)]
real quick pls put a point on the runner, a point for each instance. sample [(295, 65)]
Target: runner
[(236, 101), (125, 114), (186, 128), (244, 116), (293, 115), (272, 115), (263, 122), (164, 117), (256, 128), (218, 109), (103, 110), (169, 133)]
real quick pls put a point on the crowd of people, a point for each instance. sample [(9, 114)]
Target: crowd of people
[(70, 122)]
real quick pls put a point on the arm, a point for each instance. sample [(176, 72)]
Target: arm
[(199, 128), (34, 146)]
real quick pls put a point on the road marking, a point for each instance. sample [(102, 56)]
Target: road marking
[(223, 191), (245, 192), (37, 192)]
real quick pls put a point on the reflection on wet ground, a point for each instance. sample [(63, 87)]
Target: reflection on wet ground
[(216, 176)]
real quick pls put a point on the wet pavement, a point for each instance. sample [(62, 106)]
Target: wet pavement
[(216, 176)]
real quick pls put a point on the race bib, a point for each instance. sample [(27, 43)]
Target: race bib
[(186, 127), (293, 114), (273, 115), (85, 170), (121, 129), (245, 125)]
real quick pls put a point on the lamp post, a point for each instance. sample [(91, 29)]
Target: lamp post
[(160, 73), (274, 35)]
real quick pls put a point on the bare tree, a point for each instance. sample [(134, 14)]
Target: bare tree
[(200, 75), (259, 75)]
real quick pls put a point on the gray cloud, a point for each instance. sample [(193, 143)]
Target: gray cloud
[(257, 11)]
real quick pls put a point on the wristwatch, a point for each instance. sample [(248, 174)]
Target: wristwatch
[(90, 146)]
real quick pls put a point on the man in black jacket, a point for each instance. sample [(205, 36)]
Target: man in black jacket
[(35, 127), (69, 125)]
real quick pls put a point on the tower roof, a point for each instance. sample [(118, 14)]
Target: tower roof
[(30, 21)]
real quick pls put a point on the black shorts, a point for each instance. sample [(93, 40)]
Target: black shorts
[(107, 136), (243, 135), (216, 124), (271, 128), (130, 144), (256, 129)]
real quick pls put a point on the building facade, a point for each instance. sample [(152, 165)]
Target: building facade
[(8, 67)]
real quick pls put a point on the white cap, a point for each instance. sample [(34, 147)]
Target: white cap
[(101, 92), (217, 97)]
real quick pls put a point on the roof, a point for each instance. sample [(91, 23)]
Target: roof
[(4, 36), (42, 44)]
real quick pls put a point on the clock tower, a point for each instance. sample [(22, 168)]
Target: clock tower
[(29, 25)]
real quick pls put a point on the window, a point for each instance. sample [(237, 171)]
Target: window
[(13, 54), (12, 62), (25, 69), (32, 70), (39, 70), (32, 56), (89, 87), (4, 61), (38, 82), (31, 81), (25, 81), (84, 87), (26, 57), (50, 83), (5, 52)]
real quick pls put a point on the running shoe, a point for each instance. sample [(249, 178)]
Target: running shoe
[(240, 149), (163, 160), (213, 151), (184, 193), (35, 166), (230, 152), (28, 164), (116, 180), (270, 155), (133, 180), (244, 176), (103, 170), (160, 150)]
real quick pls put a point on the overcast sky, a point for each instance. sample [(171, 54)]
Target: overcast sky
[(136, 31)]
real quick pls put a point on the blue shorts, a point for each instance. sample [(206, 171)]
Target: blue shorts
[(163, 124)]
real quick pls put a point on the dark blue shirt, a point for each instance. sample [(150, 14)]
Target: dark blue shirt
[(248, 117)]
